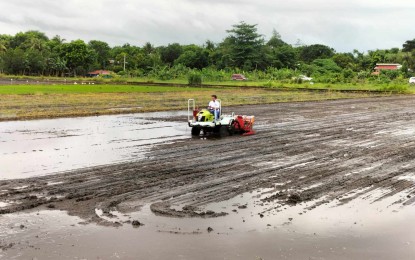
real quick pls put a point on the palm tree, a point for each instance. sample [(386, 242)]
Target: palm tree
[(2, 50), (148, 48), (58, 39), (2, 47), (37, 44)]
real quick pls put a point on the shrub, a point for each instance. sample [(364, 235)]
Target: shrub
[(348, 73), (391, 74), (195, 79), (396, 88), (279, 74), (363, 74)]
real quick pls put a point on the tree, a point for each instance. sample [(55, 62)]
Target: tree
[(29, 40), (193, 57), (148, 48), (325, 66), (244, 44), (408, 46), (283, 56), (37, 44), (126, 55), (170, 53), (78, 56), (344, 60), (55, 44), (220, 57), (5, 42), (15, 61), (56, 65), (405, 69), (377, 56), (209, 45), (275, 41), (362, 62), (2, 47), (147, 58), (102, 53), (315, 51), (36, 62)]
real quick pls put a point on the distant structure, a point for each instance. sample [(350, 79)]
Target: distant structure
[(385, 66), (99, 73)]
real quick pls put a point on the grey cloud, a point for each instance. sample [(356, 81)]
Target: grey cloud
[(343, 25)]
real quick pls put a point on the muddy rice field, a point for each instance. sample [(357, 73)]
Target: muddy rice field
[(318, 180)]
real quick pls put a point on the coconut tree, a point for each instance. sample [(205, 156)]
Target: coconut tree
[(2, 47)]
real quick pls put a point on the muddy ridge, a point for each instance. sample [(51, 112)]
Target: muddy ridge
[(311, 151)]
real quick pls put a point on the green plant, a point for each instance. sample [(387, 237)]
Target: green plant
[(195, 79), (395, 88)]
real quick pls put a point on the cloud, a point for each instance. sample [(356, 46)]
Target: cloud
[(343, 25)]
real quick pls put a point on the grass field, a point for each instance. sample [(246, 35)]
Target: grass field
[(396, 86), (76, 89), (118, 84), (19, 102)]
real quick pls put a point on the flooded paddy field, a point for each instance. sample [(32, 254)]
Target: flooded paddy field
[(40, 147), (319, 180)]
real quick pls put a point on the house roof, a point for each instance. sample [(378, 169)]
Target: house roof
[(387, 66), (99, 72)]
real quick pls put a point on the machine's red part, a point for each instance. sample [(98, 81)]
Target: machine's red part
[(195, 113), (252, 132), (244, 124)]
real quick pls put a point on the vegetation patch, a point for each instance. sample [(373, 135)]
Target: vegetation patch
[(63, 101)]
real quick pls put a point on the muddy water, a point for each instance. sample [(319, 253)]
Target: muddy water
[(39, 147), (362, 229), (350, 163)]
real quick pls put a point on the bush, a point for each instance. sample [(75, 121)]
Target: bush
[(195, 79), (211, 74), (397, 88), (348, 74), (363, 74), (279, 74), (391, 74)]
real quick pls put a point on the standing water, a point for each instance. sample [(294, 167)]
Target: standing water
[(40, 147)]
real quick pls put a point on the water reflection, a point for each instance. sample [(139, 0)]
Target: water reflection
[(39, 147)]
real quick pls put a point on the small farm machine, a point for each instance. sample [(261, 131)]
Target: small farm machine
[(202, 120)]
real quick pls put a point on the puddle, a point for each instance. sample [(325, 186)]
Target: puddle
[(54, 183), (361, 229), (4, 204), (40, 147), (404, 132), (407, 178)]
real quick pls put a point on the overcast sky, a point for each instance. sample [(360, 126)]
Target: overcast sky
[(342, 24)]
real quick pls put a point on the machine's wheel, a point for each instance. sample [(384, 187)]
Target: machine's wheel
[(234, 127), (195, 131), (224, 131), (216, 130)]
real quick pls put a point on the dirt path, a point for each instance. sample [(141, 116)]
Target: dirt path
[(311, 151)]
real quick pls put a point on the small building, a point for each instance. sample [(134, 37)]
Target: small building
[(386, 66), (99, 73)]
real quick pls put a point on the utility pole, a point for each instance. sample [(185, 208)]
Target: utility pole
[(124, 61)]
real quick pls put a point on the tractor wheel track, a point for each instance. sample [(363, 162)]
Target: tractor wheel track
[(315, 149)]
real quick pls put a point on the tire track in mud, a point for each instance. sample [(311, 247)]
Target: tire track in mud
[(315, 151)]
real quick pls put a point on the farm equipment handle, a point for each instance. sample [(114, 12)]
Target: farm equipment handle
[(190, 104)]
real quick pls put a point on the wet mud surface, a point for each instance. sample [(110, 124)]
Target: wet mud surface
[(308, 161), (40, 147)]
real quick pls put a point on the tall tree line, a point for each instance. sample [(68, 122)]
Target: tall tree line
[(33, 53)]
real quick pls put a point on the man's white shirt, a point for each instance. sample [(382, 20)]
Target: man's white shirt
[(214, 104)]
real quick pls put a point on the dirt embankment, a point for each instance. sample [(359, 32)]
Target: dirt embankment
[(311, 151)]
